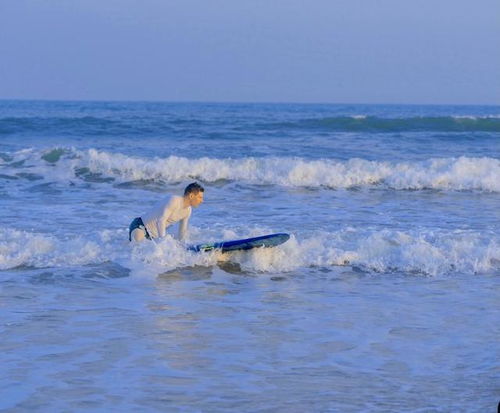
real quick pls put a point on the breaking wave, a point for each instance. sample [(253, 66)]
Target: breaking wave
[(423, 252), (68, 165)]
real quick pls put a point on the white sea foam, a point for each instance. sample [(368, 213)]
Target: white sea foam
[(37, 250), (462, 173), (474, 117), (422, 252), (417, 252), (28, 249)]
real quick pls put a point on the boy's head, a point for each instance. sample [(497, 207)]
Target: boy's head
[(194, 194)]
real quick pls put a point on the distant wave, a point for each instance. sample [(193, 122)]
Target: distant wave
[(142, 126), (361, 123), (75, 126), (422, 252), (67, 164)]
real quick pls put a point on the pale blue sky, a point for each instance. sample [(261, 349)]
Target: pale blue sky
[(338, 51)]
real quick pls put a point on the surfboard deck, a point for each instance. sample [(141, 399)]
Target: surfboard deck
[(264, 241)]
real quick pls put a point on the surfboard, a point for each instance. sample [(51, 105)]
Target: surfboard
[(264, 241)]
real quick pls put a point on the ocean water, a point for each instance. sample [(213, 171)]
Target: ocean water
[(386, 297)]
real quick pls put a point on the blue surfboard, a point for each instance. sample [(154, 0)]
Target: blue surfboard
[(265, 241)]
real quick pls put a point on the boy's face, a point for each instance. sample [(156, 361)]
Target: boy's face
[(195, 199)]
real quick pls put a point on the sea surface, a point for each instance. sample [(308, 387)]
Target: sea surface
[(385, 298)]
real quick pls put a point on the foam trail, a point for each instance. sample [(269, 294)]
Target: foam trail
[(27, 249), (67, 165), (425, 252), (21, 248)]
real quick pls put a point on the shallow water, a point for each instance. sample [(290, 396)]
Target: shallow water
[(202, 339), (384, 299)]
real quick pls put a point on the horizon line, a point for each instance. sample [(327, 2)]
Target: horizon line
[(231, 102)]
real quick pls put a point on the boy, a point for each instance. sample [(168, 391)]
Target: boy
[(154, 223)]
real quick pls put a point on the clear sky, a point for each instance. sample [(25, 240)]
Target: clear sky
[(338, 51)]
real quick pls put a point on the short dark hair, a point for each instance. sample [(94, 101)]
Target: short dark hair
[(193, 188)]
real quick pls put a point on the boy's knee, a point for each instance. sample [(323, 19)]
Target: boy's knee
[(138, 234)]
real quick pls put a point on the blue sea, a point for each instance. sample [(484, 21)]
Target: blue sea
[(385, 298)]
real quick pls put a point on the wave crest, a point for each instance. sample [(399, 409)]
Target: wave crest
[(66, 165), (419, 252), (153, 126)]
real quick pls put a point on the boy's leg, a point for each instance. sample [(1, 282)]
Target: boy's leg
[(138, 234)]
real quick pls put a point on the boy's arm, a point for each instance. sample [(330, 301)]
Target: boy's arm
[(183, 225), (183, 228), (162, 222)]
